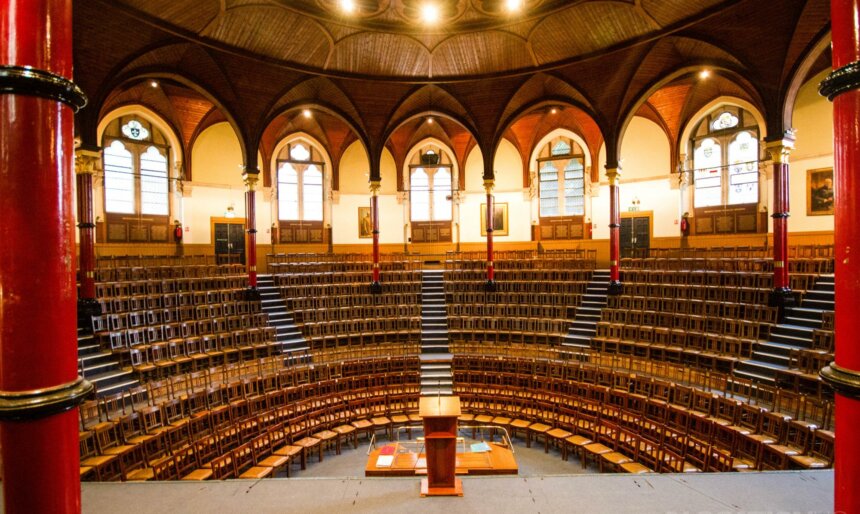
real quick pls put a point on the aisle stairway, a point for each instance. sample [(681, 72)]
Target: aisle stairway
[(584, 325), (102, 368), (771, 357), (287, 333), (436, 377)]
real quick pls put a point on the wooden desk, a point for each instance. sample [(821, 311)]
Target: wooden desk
[(498, 461)]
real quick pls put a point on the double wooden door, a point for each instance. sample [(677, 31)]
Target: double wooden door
[(635, 236), (230, 243)]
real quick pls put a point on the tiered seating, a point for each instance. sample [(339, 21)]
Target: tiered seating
[(332, 303), (246, 420), (628, 422), (704, 332), (163, 326), (537, 295)]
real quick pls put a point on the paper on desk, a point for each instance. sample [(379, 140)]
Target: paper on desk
[(384, 461), (480, 447)]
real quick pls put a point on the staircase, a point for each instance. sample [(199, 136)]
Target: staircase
[(436, 377), (102, 368), (287, 334), (584, 326), (771, 357)]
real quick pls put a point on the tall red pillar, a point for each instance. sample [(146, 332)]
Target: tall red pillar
[(86, 164), (375, 286), (779, 150), (614, 175), (39, 384), (843, 88), (250, 180), (491, 272)]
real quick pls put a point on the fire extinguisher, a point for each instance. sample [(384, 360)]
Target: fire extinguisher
[(177, 232), (685, 225)]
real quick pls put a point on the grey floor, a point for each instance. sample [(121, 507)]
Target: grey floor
[(546, 484)]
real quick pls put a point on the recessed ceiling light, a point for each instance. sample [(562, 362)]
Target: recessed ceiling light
[(704, 74), (347, 6), (306, 113), (513, 5), (153, 83), (430, 13), (554, 110), (430, 119)]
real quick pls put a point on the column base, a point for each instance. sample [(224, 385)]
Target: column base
[(615, 288), (375, 287), (490, 286), (781, 298), (252, 294), (87, 308), (844, 381)]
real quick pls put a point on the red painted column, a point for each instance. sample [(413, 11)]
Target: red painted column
[(375, 286), (491, 272), (779, 150), (843, 88), (251, 226), (86, 164), (39, 384), (614, 175)]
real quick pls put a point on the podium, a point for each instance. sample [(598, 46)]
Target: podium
[(440, 415)]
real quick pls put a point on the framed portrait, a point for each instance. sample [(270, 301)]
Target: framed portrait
[(500, 219), (365, 224), (819, 192)]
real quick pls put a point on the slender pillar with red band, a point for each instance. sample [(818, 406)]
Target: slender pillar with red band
[(86, 164), (779, 149), (39, 384), (614, 175), (843, 88), (375, 286), (250, 179), (491, 272)]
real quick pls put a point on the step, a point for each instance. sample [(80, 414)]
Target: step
[(585, 333), (434, 366), (771, 358), (592, 305), (436, 375), (441, 348), (118, 387), (794, 329), (437, 391), (797, 342), (755, 376), (807, 312), (587, 325), (426, 358), (824, 305)]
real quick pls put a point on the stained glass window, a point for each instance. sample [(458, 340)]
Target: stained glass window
[(300, 183), (726, 159), (561, 180)]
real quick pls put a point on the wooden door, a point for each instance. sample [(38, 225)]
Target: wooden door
[(229, 243), (635, 237)]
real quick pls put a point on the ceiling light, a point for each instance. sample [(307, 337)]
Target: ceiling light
[(513, 5), (306, 113), (554, 110), (430, 120), (347, 6), (430, 13), (704, 74), (153, 83)]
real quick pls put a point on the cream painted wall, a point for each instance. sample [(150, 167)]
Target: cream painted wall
[(645, 151), (508, 189), (217, 156), (355, 193), (813, 121)]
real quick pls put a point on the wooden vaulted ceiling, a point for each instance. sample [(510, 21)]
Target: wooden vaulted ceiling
[(484, 74)]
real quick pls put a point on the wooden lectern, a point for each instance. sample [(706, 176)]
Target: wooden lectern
[(440, 415)]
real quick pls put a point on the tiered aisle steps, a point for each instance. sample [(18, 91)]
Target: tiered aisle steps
[(584, 326), (287, 333), (436, 377)]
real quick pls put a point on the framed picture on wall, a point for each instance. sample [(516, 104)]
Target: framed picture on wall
[(819, 192), (500, 219), (365, 224)]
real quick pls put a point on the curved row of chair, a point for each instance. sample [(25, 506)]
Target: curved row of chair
[(229, 429), (706, 432)]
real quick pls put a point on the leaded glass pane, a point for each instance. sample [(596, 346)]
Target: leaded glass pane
[(707, 161), (312, 194), (119, 179), (420, 199), (288, 192), (743, 169), (153, 182), (441, 195), (548, 189)]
